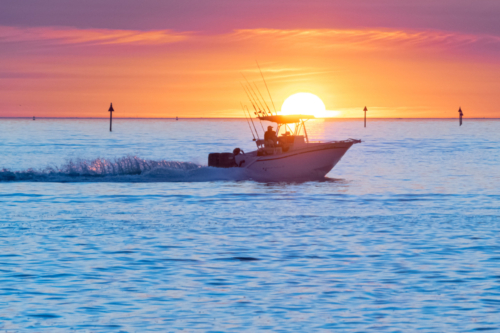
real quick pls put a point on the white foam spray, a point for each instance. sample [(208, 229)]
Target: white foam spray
[(125, 169)]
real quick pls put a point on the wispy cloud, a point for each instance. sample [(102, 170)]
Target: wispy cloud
[(318, 38), (32, 75), (63, 35), (366, 38)]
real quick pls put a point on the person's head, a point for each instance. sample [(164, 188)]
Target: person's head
[(269, 128)]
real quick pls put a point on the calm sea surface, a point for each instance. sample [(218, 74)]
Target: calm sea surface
[(129, 232)]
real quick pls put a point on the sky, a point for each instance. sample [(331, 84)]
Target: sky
[(163, 58)]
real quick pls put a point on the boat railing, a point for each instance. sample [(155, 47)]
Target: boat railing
[(260, 143)]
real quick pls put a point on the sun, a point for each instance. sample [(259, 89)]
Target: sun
[(304, 103)]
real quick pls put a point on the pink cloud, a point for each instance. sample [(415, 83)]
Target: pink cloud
[(317, 38), (89, 36), (368, 38)]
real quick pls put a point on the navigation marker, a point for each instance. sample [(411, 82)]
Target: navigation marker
[(111, 110)]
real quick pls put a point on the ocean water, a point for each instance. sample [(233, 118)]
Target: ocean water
[(129, 231)]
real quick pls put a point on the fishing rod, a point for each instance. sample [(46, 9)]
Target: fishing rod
[(260, 111), (250, 99), (266, 87), (256, 112), (257, 101), (251, 119), (254, 94), (248, 122), (261, 106), (270, 113)]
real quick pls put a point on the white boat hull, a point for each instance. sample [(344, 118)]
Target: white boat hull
[(313, 161)]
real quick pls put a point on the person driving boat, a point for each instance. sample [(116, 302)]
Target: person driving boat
[(270, 137)]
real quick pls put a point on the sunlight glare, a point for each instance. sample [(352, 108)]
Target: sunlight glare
[(305, 103)]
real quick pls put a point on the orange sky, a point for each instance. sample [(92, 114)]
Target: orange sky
[(74, 72)]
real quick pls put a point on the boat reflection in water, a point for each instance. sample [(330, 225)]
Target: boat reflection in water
[(293, 157)]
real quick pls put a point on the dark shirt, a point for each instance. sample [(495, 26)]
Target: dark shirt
[(270, 135)]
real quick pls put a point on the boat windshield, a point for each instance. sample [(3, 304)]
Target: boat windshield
[(290, 125)]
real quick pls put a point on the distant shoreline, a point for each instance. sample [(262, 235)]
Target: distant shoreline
[(240, 118)]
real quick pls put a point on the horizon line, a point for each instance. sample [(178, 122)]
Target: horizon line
[(236, 118)]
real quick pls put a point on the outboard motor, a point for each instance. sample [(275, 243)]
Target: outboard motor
[(226, 160), (213, 160), (221, 160)]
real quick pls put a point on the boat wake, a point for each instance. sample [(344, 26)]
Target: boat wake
[(125, 169)]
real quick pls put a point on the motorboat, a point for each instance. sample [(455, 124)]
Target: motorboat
[(292, 157)]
